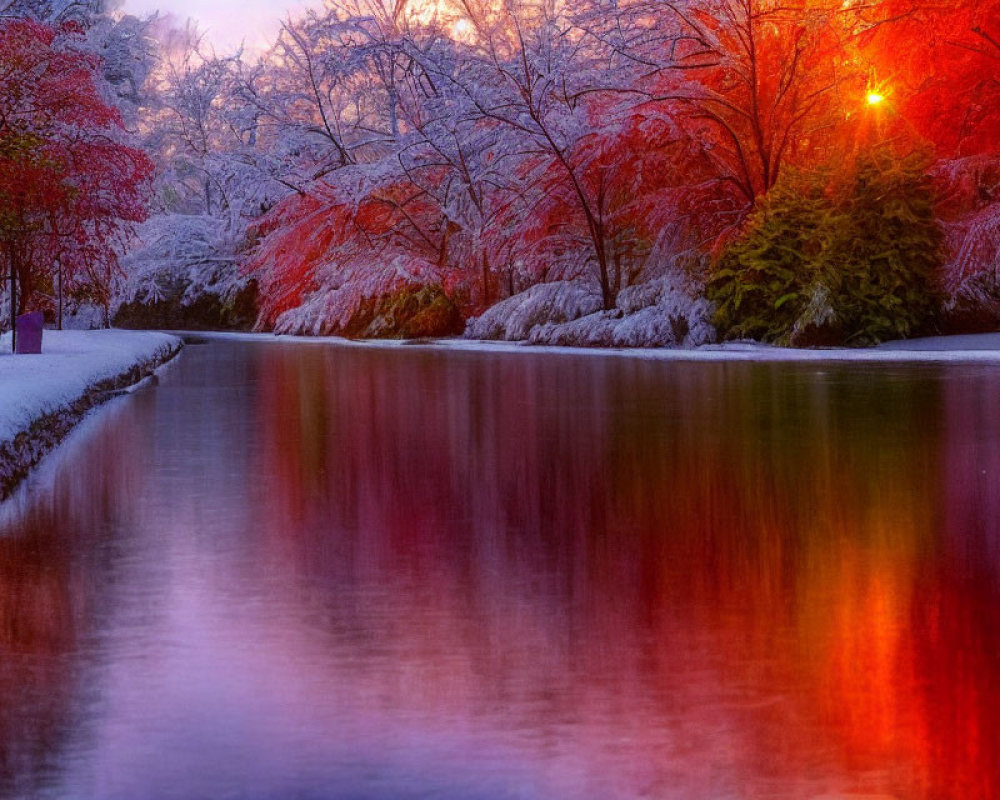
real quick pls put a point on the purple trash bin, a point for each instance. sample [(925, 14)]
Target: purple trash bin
[(29, 333)]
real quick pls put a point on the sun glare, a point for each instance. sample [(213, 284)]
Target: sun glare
[(874, 98), (461, 29)]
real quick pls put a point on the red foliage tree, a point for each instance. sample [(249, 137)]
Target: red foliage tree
[(69, 186), (760, 83), (343, 251), (634, 188), (939, 64), (593, 143)]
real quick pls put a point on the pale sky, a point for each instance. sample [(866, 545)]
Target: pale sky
[(226, 22)]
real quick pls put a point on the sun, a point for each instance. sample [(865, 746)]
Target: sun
[(874, 98), (461, 29)]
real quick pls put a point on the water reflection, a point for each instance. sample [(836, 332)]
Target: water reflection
[(326, 572)]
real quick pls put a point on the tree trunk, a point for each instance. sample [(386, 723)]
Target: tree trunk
[(608, 294), (26, 288), (59, 275), (13, 306), (486, 282)]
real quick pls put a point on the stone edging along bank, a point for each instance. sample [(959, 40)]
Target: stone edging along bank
[(22, 453)]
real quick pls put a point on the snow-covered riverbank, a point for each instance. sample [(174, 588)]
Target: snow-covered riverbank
[(966, 348), (43, 396)]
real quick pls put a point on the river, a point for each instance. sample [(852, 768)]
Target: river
[(313, 571)]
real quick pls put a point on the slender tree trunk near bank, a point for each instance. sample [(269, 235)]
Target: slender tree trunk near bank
[(486, 281), (13, 307), (59, 274), (25, 288)]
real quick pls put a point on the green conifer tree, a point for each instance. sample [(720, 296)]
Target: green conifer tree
[(834, 259)]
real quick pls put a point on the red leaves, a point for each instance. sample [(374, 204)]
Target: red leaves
[(943, 63), (612, 153), (352, 251), (68, 185)]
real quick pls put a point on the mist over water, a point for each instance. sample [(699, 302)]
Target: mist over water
[(309, 571)]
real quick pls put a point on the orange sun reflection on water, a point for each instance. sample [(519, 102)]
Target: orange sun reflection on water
[(605, 577), (790, 582)]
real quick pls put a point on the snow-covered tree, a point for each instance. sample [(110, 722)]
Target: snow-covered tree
[(477, 148), (71, 187)]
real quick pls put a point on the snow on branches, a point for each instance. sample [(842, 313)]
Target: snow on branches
[(482, 148), (70, 185)]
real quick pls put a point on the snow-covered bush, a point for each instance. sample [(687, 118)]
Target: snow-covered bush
[(180, 252), (83, 317), (185, 266), (666, 312), (972, 276), (514, 318), (399, 299), (593, 330), (364, 302), (400, 311), (968, 209)]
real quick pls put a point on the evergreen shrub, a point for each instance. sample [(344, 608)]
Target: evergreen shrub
[(828, 259)]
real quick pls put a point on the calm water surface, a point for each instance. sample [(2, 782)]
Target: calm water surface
[(309, 571)]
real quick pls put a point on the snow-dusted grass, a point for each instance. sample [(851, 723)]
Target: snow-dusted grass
[(42, 396)]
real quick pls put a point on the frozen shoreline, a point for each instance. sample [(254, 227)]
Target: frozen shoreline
[(966, 348), (42, 397)]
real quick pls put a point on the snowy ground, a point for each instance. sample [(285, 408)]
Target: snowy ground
[(71, 363), (43, 396), (977, 348)]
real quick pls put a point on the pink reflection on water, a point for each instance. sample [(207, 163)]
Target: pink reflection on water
[(421, 575)]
